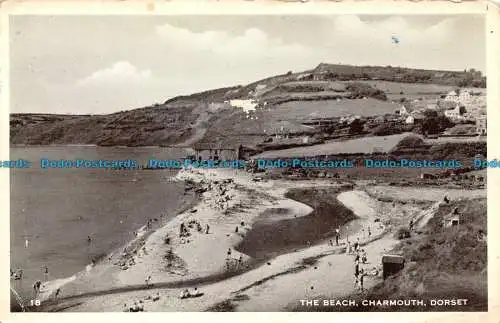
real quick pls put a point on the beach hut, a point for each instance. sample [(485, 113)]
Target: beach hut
[(392, 264), (427, 176), (452, 219)]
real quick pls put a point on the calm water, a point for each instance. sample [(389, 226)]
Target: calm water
[(56, 209)]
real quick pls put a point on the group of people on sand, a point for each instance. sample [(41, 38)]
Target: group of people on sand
[(233, 263), (359, 257), (138, 306), (187, 294)]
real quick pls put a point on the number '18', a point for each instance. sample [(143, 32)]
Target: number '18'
[(35, 302)]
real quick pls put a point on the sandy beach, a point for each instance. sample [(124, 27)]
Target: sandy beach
[(240, 283)]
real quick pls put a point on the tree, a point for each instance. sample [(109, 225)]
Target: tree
[(430, 114), (436, 125), (356, 127)]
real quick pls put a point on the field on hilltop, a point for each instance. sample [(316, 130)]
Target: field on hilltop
[(365, 145), (305, 110)]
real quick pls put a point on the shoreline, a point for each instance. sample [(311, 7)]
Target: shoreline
[(49, 288), (250, 263)]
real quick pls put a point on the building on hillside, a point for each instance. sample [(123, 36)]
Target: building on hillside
[(452, 96), (417, 117), (452, 219), (246, 105), (303, 77), (403, 111), (218, 152), (481, 124), (410, 120), (392, 264), (427, 176), (453, 113), (464, 97)]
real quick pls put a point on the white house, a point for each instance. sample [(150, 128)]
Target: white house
[(410, 120), (451, 96), (464, 97), (246, 105), (453, 113), (404, 110), (481, 125)]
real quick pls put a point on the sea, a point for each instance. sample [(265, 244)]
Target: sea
[(54, 211)]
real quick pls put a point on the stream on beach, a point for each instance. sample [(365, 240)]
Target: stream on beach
[(54, 211), (269, 238)]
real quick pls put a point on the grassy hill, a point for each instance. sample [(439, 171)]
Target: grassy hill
[(293, 98), (444, 263), (441, 263)]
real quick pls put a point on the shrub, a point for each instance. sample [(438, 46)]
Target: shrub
[(402, 233)]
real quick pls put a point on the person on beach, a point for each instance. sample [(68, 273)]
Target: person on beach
[(236, 230), (363, 256), (89, 239), (229, 253), (185, 294), (356, 258), (356, 269), (36, 288), (207, 229), (369, 232), (148, 280), (356, 244), (348, 248), (58, 292), (46, 273), (361, 279), (196, 292), (337, 233)]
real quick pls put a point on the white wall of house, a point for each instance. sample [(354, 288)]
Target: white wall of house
[(246, 105)]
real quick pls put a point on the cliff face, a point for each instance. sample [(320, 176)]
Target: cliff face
[(141, 127), (191, 118)]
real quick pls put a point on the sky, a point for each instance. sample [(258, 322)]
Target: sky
[(105, 64)]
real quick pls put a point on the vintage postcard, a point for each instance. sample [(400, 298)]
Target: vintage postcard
[(250, 158)]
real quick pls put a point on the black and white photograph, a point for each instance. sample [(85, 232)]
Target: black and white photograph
[(248, 163)]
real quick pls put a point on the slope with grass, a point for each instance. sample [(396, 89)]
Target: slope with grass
[(187, 119)]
